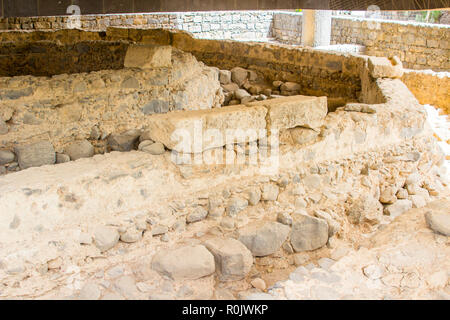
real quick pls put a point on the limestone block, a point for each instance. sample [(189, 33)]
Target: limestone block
[(189, 262), (233, 259), (148, 56), (295, 111), (207, 128), (382, 67)]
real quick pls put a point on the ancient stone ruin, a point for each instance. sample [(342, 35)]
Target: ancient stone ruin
[(148, 164)]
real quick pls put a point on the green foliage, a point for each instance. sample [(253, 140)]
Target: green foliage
[(298, 10), (429, 16)]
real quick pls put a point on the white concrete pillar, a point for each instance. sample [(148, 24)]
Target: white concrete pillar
[(316, 28)]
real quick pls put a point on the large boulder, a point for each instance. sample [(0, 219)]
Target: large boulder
[(382, 67), (308, 233), (35, 154), (189, 262), (148, 56), (181, 131), (263, 238), (233, 259), (295, 111)]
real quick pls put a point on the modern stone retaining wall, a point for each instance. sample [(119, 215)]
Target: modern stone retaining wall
[(215, 25), (418, 45)]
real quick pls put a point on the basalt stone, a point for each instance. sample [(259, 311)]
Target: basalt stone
[(233, 259), (130, 83), (6, 157), (156, 106), (35, 155), (124, 142), (80, 149), (159, 78), (308, 233), (15, 93), (263, 239)]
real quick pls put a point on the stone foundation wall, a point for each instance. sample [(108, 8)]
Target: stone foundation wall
[(318, 72), (215, 25), (418, 45), (64, 108)]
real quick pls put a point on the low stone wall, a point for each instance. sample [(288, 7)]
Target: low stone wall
[(64, 108), (214, 25), (418, 45), (429, 87), (318, 72)]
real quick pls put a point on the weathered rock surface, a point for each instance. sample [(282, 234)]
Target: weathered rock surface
[(3, 127), (236, 205), (131, 235), (308, 233), (439, 222), (396, 209), (124, 142), (303, 135), (177, 131), (239, 75), (6, 157), (233, 259), (80, 149), (365, 209), (189, 262), (156, 148), (240, 94), (254, 195), (295, 111), (270, 192), (290, 86), (62, 158), (35, 155), (198, 214), (106, 237), (90, 291), (263, 239), (224, 76)]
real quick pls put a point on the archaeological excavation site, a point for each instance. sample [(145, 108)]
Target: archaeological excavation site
[(151, 154)]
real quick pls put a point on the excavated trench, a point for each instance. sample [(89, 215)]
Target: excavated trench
[(145, 164)]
